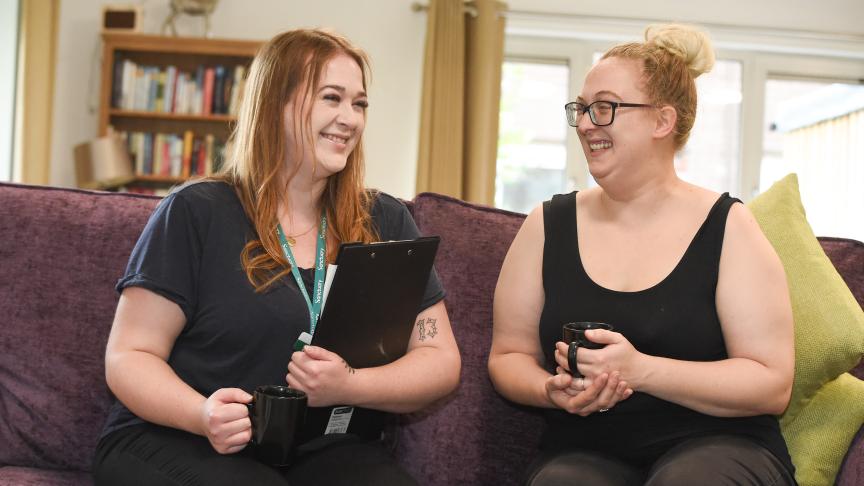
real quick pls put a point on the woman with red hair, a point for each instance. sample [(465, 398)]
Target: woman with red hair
[(216, 291)]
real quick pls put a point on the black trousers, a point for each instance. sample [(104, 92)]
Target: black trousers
[(151, 455), (705, 461)]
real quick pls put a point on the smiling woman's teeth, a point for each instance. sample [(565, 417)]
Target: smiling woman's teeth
[(335, 138), (600, 145)]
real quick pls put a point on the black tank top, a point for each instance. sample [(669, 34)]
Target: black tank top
[(676, 318)]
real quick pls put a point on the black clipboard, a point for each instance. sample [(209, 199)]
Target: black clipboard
[(374, 299), (369, 315)]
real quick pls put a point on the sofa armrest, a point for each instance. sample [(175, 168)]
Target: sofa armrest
[(852, 470)]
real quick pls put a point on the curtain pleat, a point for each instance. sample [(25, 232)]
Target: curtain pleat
[(439, 167), (485, 55), (34, 100), (461, 96)]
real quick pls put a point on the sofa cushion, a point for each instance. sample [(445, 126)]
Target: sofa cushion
[(489, 440), (61, 253), (820, 435), (26, 476), (829, 336), (847, 256)]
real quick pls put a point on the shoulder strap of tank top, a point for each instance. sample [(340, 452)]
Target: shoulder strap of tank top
[(559, 230), (709, 240), (559, 220)]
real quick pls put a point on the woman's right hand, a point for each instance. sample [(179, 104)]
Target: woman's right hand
[(226, 420), (584, 397)]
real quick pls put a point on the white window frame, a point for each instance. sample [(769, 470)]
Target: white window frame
[(763, 54), (9, 16), (757, 69)]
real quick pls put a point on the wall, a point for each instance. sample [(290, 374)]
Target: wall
[(392, 34), (835, 16)]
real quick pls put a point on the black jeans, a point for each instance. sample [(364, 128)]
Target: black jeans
[(148, 454), (704, 461)]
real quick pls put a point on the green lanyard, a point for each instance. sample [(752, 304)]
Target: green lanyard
[(320, 273)]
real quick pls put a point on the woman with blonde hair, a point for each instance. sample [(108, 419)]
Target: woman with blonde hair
[(687, 385), (215, 293)]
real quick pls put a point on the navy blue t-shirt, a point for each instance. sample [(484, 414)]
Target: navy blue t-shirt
[(189, 253)]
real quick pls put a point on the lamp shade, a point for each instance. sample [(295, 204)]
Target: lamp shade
[(102, 163)]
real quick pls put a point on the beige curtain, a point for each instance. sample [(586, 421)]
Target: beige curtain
[(829, 159), (461, 93), (37, 54)]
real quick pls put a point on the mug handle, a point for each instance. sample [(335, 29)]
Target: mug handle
[(571, 359), (249, 407)]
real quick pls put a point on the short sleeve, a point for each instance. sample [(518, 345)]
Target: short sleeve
[(166, 258), (394, 222)]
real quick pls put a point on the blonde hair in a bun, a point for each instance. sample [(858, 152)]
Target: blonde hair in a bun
[(685, 41), (672, 57)]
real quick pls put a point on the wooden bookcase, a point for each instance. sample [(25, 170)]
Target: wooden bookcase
[(161, 54)]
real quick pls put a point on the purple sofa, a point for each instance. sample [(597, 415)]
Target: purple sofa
[(62, 250)]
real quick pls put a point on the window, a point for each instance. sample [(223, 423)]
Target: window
[(713, 153), (816, 129), (532, 151)]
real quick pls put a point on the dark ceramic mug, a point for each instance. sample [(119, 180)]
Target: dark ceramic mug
[(277, 413), (573, 334)]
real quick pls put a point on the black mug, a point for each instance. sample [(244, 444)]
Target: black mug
[(573, 334), (277, 413)]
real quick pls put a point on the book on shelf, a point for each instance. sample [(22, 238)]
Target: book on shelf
[(208, 90), (188, 143), (218, 87), (207, 93), (238, 80), (168, 92)]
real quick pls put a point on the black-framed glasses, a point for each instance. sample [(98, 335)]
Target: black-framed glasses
[(602, 113)]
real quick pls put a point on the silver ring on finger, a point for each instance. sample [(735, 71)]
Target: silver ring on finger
[(603, 410)]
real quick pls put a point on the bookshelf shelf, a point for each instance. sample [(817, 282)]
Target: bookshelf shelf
[(160, 179), (173, 101), (118, 113)]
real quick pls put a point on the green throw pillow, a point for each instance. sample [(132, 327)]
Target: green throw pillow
[(822, 431), (829, 337)]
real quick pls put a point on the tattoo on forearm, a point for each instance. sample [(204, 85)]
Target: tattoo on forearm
[(421, 329), (427, 328), (433, 328), (351, 370)]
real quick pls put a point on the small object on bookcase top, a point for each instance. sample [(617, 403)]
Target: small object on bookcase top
[(195, 8), (121, 18)]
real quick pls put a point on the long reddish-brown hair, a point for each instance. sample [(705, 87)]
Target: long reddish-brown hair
[(288, 68)]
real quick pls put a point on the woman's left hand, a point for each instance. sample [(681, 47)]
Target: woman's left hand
[(323, 375), (618, 355)]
